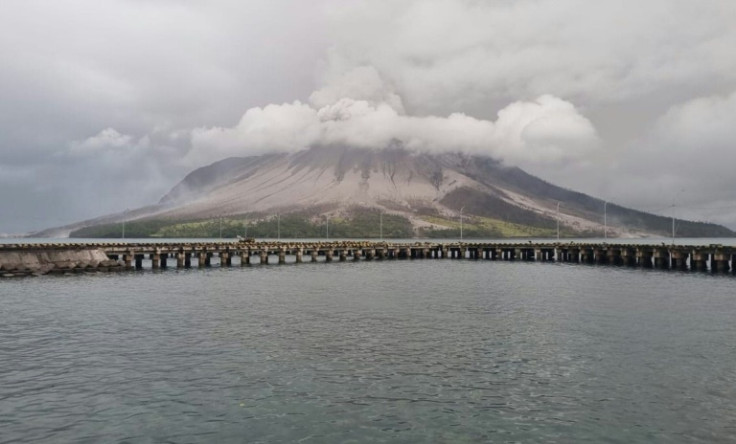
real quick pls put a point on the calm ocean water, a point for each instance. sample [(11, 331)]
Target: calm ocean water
[(400, 351)]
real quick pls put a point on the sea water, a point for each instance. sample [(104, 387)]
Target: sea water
[(383, 351)]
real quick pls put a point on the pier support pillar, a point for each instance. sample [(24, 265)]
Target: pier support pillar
[(645, 257), (661, 258), (187, 260), (699, 261), (599, 256), (180, 260), (299, 253), (721, 262), (202, 259), (264, 257), (328, 255), (679, 259), (314, 254), (628, 257), (356, 255), (245, 257), (155, 261), (563, 255), (282, 255), (128, 259), (586, 255), (613, 256), (343, 255)]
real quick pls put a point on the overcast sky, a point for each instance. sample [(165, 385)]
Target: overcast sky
[(106, 104)]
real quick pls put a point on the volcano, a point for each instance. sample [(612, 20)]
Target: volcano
[(432, 192)]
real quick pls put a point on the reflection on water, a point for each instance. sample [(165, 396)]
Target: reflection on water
[(406, 351)]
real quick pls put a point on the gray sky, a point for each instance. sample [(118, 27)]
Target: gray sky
[(105, 105)]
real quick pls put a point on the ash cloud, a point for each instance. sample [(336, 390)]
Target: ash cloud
[(361, 110)]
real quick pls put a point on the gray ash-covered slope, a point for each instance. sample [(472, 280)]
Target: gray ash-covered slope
[(426, 188)]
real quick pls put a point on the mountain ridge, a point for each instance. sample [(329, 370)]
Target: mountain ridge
[(431, 191)]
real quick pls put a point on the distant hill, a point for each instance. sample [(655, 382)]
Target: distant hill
[(415, 194)]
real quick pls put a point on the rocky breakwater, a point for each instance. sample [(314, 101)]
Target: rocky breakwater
[(19, 262)]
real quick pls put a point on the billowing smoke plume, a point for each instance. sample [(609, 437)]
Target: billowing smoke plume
[(361, 110)]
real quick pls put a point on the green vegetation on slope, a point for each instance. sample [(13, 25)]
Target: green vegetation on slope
[(486, 227), (133, 229), (360, 223)]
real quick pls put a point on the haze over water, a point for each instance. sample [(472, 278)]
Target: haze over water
[(400, 351)]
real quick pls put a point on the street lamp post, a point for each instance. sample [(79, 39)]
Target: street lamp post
[(673, 214), (461, 222), (125, 214), (673, 223)]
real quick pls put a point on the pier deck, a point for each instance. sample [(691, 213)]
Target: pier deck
[(153, 255)]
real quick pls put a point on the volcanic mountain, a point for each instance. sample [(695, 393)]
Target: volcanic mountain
[(430, 192)]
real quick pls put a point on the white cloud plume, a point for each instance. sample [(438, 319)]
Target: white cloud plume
[(544, 131)]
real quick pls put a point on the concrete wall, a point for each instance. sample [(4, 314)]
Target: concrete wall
[(15, 263)]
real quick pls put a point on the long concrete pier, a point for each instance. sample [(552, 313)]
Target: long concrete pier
[(137, 256)]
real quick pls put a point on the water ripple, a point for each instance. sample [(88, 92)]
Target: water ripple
[(417, 351)]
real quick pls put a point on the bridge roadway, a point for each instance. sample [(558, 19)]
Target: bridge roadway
[(715, 258)]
